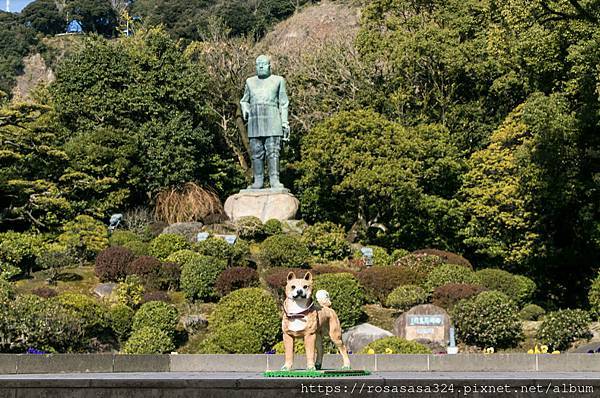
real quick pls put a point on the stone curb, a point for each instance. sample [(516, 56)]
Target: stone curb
[(115, 363)]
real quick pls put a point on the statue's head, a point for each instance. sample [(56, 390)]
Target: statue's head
[(263, 66)]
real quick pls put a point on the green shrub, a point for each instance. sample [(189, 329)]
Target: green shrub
[(525, 289), (326, 241), (449, 273), (121, 237), (284, 251), (55, 257), (500, 280), (165, 244), (156, 314), (395, 345), (422, 263), (149, 340), (138, 248), (18, 253), (273, 227), (561, 328), (181, 257), (238, 338), (198, 277), (236, 278), (121, 321), (447, 257), (446, 296), (7, 291), (252, 309), (112, 263), (328, 346), (406, 297), (85, 235), (531, 312), (380, 281), (93, 315), (397, 254), (250, 228), (347, 296), (168, 277), (131, 291), (594, 297), (236, 254), (490, 319)]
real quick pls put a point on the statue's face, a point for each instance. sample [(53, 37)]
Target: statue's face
[(263, 67)]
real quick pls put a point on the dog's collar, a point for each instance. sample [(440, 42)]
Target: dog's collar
[(300, 314)]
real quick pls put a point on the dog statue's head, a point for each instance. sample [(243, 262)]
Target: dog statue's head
[(299, 288)]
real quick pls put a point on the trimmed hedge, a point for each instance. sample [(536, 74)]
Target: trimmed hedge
[(121, 321), (156, 314), (446, 296), (236, 254), (198, 277), (347, 296), (446, 256), (121, 237), (395, 345), (449, 273), (379, 282), (250, 228), (531, 312), (165, 244), (149, 340), (594, 297), (284, 251), (422, 263), (561, 328), (407, 296), (112, 263), (236, 278), (326, 241)]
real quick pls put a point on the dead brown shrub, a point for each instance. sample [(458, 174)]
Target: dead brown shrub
[(192, 203)]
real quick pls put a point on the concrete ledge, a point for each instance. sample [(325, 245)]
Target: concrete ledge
[(116, 363)]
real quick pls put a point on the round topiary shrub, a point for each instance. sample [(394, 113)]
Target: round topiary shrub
[(236, 254), (394, 345), (380, 281), (284, 251), (422, 263), (500, 280), (238, 338), (397, 254), (198, 277), (121, 320), (332, 268), (449, 273), (121, 237), (347, 296), (489, 319), (138, 248), (250, 228), (531, 312), (525, 289), (446, 256), (252, 309), (561, 328), (236, 278), (594, 297), (163, 245), (169, 276), (326, 241), (182, 256), (446, 296), (85, 235), (328, 347), (149, 340), (18, 253), (7, 291), (148, 269), (112, 263), (156, 314), (273, 227), (406, 297), (92, 315), (131, 291)]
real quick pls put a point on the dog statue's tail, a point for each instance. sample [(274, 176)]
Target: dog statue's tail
[(323, 298)]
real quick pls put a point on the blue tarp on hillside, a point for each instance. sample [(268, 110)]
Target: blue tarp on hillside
[(74, 27)]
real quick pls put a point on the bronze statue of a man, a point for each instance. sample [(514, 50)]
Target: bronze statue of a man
[(265, 108)]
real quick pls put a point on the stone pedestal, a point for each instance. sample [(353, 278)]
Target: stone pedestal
[(265, 204)]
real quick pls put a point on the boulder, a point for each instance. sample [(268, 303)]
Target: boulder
[(361, 335), (187, 229), (262, 203), (104, 290), (194, 323)]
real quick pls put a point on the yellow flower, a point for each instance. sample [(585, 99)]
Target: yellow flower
[(370, 351), (530, 351), (544, 349), (389, 351), (489, 350), (556, 352)]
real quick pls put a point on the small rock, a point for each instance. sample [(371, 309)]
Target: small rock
[(361, 335), (187, 229), (104, 290), (194, 323)]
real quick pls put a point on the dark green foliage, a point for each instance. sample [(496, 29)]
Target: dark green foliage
[(526, 289), (446, 296), (121, 320), (85, 235), (284, 251), (407, 296), (449, 273), (250, 227), (379, 282), (121, 237), (347, 296), (149, 340), (235, 254), (169, 275), (446, 256), (43, 16), (500, 280), (531, 312), (164, 245), (594, 297), (112, 263), (236, 278), (199, 275), (156, 314), (18, 252), (420, 262), (396, 345), (96, 16), (182, 256), (43, 292), (561, 328), (251, 310), (138, 248), (92, 315), (7, 291), (490, 319), (326, 242), (276, 279), (273, 227), (16, 41)]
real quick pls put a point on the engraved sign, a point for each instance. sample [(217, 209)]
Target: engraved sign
[(201, 236), (424, 322)]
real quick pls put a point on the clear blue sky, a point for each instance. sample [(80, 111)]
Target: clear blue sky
[(15, 5)]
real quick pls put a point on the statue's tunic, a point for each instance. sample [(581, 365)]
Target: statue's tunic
[(266, 102)]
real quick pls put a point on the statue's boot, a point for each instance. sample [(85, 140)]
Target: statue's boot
[(274, 172), (258, 169)]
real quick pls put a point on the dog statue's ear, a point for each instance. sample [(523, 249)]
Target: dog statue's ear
[(291, 276), (308, 276)]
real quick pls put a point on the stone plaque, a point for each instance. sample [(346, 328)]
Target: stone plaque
[(424, 322), (201, 236)]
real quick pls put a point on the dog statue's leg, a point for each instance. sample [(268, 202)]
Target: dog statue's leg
[(288, 344), (335, 333), (319, 348), (309, 345)]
